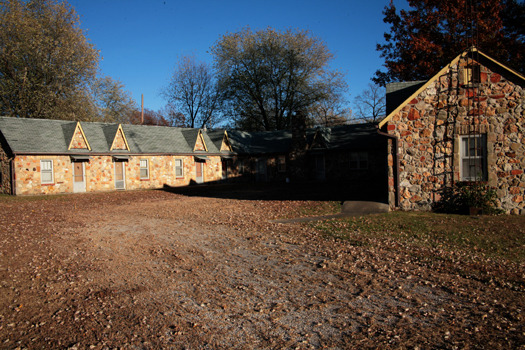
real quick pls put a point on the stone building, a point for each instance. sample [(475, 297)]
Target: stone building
[(466, 123), (52, 156)]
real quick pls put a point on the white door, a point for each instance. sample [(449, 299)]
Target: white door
[(120, 176), (79, 177)]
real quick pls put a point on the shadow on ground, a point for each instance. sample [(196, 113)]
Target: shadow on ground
[(282, 191)]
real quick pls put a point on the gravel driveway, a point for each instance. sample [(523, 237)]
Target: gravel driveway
[(153, 269)]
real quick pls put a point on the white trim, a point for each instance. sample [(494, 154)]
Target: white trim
[(144, 168), (482, 158), (181, 168), (48, 171)]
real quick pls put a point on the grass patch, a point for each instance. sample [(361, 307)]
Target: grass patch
[(492, 236)]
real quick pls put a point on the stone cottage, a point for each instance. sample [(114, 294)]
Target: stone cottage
[(53, 156), (466, 123)]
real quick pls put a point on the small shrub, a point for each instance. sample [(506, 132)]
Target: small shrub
[(462, 196)]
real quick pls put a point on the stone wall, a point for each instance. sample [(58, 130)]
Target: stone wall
[(429, 128), (100, 170), (27, 175), (5, 171)]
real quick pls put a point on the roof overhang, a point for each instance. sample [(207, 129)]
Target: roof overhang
[(80, 158), (201, 158), (121, 158), (226, 156)]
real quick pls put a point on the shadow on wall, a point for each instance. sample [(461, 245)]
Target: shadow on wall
[(281, 191)]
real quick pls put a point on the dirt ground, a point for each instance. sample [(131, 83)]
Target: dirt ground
[(154, 269)]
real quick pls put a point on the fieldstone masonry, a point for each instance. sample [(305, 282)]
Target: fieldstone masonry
[(430, 125), (100, 172)]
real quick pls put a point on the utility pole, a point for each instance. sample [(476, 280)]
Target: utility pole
[(142, 110)]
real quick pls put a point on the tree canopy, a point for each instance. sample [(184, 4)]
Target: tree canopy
[(267, 75), (114, 104), (193, 92), (425, 38), (46, 62)]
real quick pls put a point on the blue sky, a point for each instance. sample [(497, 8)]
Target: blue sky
[(141, 40)]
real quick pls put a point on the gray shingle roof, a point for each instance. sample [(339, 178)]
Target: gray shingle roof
[(54, 136), (397, 93), (262, 142)]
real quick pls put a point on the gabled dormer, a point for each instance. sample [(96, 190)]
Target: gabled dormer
[(79, 140), (120, 143), (226, 145), (320, 139), (200, 145)]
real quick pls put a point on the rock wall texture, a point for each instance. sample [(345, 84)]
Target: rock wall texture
[(5, 171), (100, 173), (430, 127)]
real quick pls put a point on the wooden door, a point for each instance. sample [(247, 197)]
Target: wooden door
[(199, 177), (79, 177), (224, 169), (120, 176)]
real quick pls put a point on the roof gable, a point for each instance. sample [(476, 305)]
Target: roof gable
[(225, 144), (200, 145), (78, 139), (443, 71), (119, 141), (320, 139)]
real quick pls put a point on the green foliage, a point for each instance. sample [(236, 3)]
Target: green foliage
[(267, 75), (462, 196), (46, 62)]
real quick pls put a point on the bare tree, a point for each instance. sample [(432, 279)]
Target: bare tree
[(193, 92), (370, 105), (329, 112)]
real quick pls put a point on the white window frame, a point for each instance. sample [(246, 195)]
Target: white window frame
[(45, 170), (480, 153), (181, 167), (144, 166)]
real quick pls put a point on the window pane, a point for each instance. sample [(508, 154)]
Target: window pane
[(143, 163), (47, 176), (143, 173), (178, 167)]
